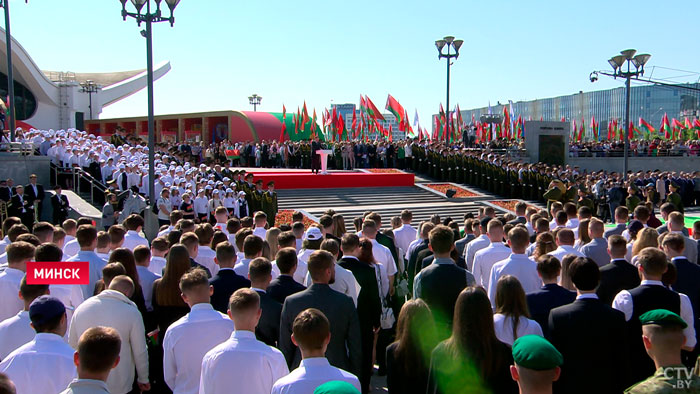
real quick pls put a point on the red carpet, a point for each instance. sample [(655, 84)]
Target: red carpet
[(294, 180)]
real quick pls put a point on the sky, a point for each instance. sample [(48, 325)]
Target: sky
[(321, 52)]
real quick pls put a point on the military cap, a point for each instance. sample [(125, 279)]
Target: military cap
[(336, 387), (662, 317), (675, 185), (535, 352)]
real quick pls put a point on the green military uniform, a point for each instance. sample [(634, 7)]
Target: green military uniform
[(585, 202), (632, 201), (269, 206), (675, 198), (554, 194)]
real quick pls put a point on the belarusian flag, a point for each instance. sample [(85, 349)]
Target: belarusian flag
[(340, 126), (646, 125), (519, 128), (305, 115), (665, 127), (582, 130), (395, 108), (506, 122), (354, 122), (594, 128), (372, 109)]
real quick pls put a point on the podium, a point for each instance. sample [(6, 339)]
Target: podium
[(324, 159)]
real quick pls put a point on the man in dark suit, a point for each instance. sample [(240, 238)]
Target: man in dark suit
[(619, 274), (688, 282), (284, 285), (589, 334), (470, 232), (649, 295), (20, 207), (60, 205), (369, 307), (520, 209), (345, 349), (551, 295), (5, 191), (665, 210), (260, 275), (315, 158), (621, 218), (226, 281)]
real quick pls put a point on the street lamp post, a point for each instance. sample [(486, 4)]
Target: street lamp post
[(619, 71), (149, 18), (90, 87), (10, 80), (255, 101), (448, 42)]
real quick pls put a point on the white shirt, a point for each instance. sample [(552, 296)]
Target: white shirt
[(132, 239), (241, 267), (345, 283), (485, 258), (70, 295), (112, 309), (520, 266), (474, 246), (166, 202), (623, 302), (44, 365), (71, 248), (3, 244), (563, 250), (146, 279), (205, 257), (15, 332), (383, 256), (201, 205), (311, 373), (166, 231), (504, 328), (404, 235), (241, 364), (260, 232), (10, 280), (157, 264), (184, 345)]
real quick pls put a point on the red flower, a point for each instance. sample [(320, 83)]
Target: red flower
[(443, 187), (509, 204), (285, 217)]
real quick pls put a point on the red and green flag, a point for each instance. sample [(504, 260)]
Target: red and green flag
[(395, 108), (665, 127), (582, 130), (372, 109)]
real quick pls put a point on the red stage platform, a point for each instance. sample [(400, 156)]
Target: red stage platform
[(307, 180)]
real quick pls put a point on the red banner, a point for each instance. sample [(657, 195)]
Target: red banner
[(58, 273)]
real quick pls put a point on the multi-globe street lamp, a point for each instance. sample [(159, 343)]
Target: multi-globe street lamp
[(149, 18), (448, 42), (254, 101), (90, 87)]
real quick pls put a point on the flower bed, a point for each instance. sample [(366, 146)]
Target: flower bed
[(285, 217), (384, 171), (509, 204), (443, 187)]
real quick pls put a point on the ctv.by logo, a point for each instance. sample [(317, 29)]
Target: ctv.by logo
[(680, 377)]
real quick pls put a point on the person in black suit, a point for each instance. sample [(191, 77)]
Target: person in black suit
[(260, 275), (520, 210), (5, 191), (687, 282), (470, 232), (60, 205), (20, 207), (619, 274), (551, 295), (284, 285), (35, 192), (621, 218), (369, 306), (315, 158), (226, 281), (344, 351), (589, 334)]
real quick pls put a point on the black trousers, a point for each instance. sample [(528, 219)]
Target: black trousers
[(366, 367), (315, 163)]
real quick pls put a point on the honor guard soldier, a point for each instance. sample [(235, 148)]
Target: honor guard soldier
[(269, 203), (674, 197)]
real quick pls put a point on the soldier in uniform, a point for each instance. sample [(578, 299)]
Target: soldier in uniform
[(584, 200), (269, 203), (256, 197), (632, 199), (674, 197), (554, 193), (662, 333)]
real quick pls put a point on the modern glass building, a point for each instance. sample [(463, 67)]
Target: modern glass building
[(649, 102)]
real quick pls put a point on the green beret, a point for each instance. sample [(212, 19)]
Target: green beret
[(336, 387), (662, 317), (535, 352)]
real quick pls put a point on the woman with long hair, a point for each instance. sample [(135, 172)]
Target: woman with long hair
[(565, 278), (217, 238), (544, 243), (408, 358), (511, 319), (646, 237), (168, 305), (126, 258), (472, 359), (271, 237), (583, 236), (338, 225)]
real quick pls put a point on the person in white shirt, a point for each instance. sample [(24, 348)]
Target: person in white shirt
[(97, 354), (18, 254), (381, 254), (312, 242), (134, 225), (477, 244), (260, 222), (510, 320), (17, 330), (311, 332), (404, 235), (565, 242), (45, 364), (345, 281), (175, 217), (142, 258), (517, 264), (70, 244), (164, 207), (572, 220), (242, 362), (102, 249), (205, 254), (184, 344), (201, 205), (112, 308), (159, 248), (485, 258), (70, 295), (252, 249), (221, 216)]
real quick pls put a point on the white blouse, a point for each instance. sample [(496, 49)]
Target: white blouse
[(504, 328)]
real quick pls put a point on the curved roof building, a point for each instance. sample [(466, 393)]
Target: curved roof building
[(48, 99)]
